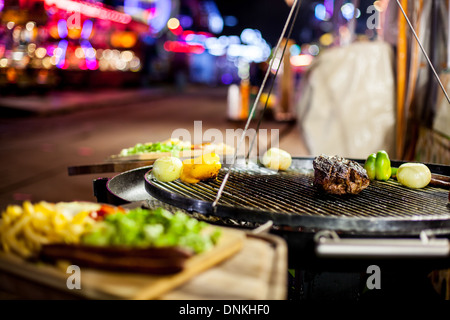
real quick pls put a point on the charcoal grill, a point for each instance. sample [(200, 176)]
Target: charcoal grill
[(300, 214), (288, 198), (255, 195)]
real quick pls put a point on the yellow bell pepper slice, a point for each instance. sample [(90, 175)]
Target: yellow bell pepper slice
[(201, 168)]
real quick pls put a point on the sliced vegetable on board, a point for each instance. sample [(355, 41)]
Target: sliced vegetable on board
[(28, 229)]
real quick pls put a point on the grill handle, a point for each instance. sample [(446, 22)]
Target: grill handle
[(264, 228), (330, 245)]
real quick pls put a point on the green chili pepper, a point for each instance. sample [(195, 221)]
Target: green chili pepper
[(382, 166), (394, 172), (370, 166)]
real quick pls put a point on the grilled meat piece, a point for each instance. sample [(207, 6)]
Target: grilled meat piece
[(337, 175)]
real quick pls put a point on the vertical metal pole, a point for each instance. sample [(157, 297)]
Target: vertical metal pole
[(402, 48), (252, 110)]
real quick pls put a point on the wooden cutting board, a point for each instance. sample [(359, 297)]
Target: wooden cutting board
[(182, 154), (257, 272), (98, 284), (124, 163), (146, 156)]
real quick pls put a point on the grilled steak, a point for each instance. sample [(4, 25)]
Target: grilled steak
[(337, 175)]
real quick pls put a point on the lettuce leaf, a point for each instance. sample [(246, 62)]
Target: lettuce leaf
[(152, 228)]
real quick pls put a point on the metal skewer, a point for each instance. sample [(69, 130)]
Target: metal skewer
[(252, 111), (423, 50), (271, 87)]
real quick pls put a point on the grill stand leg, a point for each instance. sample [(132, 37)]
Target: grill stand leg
[(309, 285), (100, 191), (351, 286)]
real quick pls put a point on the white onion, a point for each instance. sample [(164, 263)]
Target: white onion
[(414, 175), (167, 169), (276, 159)]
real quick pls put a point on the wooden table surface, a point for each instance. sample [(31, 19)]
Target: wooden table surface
[(258, 271)]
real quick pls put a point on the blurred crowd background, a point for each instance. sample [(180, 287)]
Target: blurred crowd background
[(48, 44), (352, 74)]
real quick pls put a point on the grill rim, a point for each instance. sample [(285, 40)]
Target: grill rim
[(385, 225)]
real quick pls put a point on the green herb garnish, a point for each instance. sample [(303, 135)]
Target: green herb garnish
[(152, 228), (139, 148)]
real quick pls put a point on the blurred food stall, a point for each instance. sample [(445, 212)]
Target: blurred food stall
[(48, 44), (371, 87), (423, 132)]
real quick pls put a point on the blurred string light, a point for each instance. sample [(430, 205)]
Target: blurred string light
[(295, 50), (173, 24), (123, 39), (324, 11), (326, 39), (215, 20), (89, 55), (189, 41), (40, 52), (329, 6), (243, 69), (92, 10), (3, 62), (60, 54), (192, 37), (227, 78), (86, 31), (185, 21), (301, 60), (348, 11), (320, 12), (159, 16), (113, 59), (17, 55), (31, 48), (313, 50), (183, 47), (85, 51), (30, 25), (249, 45), (132, 7), (62, 28)]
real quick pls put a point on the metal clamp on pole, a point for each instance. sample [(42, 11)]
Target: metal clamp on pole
[(330, 245), (264, 228)]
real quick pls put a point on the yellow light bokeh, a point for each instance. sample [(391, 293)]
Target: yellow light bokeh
[(173, 23)]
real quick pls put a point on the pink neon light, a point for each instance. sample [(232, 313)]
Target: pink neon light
[(82, 65), (177, 31), (91, 64), (189, 35), (179, 46), (91, 10)]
